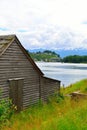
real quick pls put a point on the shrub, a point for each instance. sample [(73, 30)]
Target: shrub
[(6, 110), (57, 97)]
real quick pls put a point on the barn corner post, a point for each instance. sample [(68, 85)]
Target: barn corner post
[(40, 88)]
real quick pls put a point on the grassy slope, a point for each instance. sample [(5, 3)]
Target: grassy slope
[(78, 86), (56, 115)]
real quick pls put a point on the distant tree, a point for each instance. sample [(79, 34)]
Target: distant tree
[(75, 59), (47, 51), (39, 52)]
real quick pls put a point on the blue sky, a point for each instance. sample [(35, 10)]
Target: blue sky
[(46, 24)]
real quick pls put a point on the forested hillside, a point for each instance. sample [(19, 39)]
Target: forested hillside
[(51, 56), (47, 56)]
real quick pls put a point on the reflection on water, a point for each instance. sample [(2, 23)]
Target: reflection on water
[(65, 72)]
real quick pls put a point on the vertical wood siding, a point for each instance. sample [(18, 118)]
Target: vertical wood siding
[(14, 64)]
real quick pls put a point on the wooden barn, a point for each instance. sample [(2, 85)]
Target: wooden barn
[(20, 78)]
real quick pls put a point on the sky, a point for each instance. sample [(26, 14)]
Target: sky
[(46, 24)]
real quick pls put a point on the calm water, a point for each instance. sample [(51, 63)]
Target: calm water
[(65, 72)]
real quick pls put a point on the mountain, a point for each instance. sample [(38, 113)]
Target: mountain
[(64, 53)]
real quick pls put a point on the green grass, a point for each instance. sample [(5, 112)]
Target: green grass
[(80, 86), (61, 113)]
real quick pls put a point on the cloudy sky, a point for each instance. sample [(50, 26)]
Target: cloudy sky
[(46, 24)]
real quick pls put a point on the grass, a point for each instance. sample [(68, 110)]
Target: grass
[(58, 114), (78, 86)]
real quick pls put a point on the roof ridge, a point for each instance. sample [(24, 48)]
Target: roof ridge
[(8, 35)]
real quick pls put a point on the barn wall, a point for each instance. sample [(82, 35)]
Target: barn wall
[(48, 87), (14, 64)]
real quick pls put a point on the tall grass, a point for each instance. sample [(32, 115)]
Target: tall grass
[(68, 115), (60, 113)]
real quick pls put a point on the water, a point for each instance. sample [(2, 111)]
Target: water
[(65, 72)]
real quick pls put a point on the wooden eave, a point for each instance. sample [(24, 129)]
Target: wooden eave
[(52, 79)]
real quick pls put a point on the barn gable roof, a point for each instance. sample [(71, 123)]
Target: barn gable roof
[(7, 40), (4, 42)]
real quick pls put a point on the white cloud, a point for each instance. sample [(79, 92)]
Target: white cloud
[(45, 23), (52, 38)]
